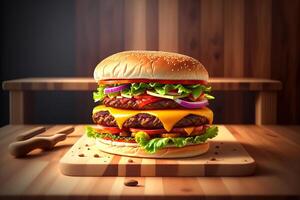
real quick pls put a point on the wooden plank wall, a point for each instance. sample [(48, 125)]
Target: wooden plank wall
[(232, 38)]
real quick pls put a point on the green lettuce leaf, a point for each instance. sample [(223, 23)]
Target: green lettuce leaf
[(196, 90), (91, 133), (126, 93), (183, 89), (153, 85), (137, 88), (210, 133), (99, 94), (155, 144), (163, 89)]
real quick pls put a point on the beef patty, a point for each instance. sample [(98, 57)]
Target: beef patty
[(133, 104), (147, 121)]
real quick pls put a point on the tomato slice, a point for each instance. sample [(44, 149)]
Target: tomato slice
[(106, 129), (122, 81), (147, 101), (143, 100)]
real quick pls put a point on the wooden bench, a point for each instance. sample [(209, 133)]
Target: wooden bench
[(265, 90)]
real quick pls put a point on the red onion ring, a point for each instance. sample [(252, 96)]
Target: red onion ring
[(115, 89), (188, 104)]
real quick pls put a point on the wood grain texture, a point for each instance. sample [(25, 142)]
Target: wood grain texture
[(225, 157), (16, 107), (135, 25), (286, 57), (234, 16), (110, 29), (19, 112), (189, 24), (212, 36), (266, 108), (87, 44), (152, 25), (168, 25), (277, 174), (258, 38)]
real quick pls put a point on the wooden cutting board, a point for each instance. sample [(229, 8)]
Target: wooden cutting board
[(226, 157)]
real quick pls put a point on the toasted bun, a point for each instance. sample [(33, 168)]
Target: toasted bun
[(156, 65), (170, 152)]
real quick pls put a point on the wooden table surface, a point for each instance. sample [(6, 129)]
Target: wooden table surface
[(276, 150)]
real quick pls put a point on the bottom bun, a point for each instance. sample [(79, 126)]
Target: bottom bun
[(169, 152)]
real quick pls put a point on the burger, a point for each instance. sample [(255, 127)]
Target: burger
[(152, 104)]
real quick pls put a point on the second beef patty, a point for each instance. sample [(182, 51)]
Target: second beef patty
[(147, 121)]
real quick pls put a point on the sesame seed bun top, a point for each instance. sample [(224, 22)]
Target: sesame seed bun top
[(157, 65)]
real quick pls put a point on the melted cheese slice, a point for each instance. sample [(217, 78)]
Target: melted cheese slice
[(167, 117)]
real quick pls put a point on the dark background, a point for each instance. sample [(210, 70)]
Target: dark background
[(232, 38)]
